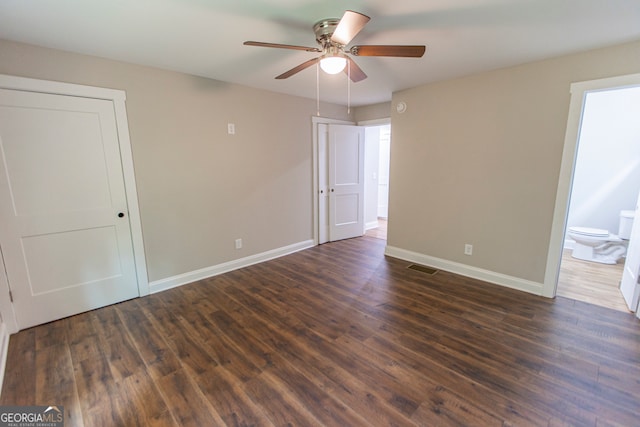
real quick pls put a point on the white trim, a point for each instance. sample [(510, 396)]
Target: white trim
[(117, 97), (59, 88), (203, 273), (4, 351), (315, 120), (561, 210), (370, 225), (128, 172), (375, 122), (466, 270)]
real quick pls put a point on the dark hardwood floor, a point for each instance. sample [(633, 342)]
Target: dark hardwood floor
[(335, 335)]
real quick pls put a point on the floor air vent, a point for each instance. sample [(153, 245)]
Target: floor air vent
[(423, 269)]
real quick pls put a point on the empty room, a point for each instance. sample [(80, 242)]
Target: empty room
[(192, 229)]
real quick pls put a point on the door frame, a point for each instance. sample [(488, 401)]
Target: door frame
[(578, 93), (370, 124), (117, 97), (315, 121)]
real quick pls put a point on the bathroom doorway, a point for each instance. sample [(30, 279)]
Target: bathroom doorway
[(606, 181)]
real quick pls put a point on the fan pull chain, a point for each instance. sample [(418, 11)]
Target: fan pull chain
[(318, 88), (348, 87)]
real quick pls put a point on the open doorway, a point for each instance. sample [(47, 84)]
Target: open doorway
[(377, 142), (603, 194), (377, 156)]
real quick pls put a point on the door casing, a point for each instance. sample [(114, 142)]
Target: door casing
[(558, 229)]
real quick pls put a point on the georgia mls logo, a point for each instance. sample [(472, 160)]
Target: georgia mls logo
[(55, 411), (31, 416)]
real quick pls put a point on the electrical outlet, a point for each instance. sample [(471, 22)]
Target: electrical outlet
[(238, 243), (468, 249), (231, 128)]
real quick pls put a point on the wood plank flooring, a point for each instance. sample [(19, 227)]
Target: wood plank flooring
[(591, 282), (380, 232), (580, 280), (337, 335)]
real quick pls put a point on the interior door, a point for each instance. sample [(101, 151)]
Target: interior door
[(64, 229), (346, 181), (629, 284), (323, 183)]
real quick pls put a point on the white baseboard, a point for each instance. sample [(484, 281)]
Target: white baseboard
[(4, 350), (192, 276), (370, 225), (467, 270)]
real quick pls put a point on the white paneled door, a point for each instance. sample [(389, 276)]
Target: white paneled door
[(346, 181), (64, 228), (631, 274)]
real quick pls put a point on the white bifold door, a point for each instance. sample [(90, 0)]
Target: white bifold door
[(341, 182), (64, 229)]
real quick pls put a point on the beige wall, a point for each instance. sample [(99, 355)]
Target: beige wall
[(476, 160), (373, 112), (199, 188)]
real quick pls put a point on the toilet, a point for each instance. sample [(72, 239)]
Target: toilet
[(598, 245)]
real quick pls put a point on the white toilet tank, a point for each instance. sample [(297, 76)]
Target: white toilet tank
[(626, 221)]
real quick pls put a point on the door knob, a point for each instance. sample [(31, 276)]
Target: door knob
[(121, 215)]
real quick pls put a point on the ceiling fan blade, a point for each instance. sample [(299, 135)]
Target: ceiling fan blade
[(282, 46), (297, 69), (348, 27), (355, 73), (388, 50)]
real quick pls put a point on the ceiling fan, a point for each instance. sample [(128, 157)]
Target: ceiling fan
[(333, 35)]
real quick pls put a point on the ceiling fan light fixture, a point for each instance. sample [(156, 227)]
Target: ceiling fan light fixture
[(333, 35), (333, 64)]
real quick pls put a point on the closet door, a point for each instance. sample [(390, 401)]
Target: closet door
[(64, 226), (346, 181)]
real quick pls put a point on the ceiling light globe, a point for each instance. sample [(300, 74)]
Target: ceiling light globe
[(333, 64)]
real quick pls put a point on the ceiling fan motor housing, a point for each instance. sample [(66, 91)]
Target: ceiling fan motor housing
[(324, 30)]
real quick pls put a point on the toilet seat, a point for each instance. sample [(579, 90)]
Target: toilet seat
[(589, 232)]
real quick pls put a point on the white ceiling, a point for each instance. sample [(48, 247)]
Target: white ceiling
[(204, 37)]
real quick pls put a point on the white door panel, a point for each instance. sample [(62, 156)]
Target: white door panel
[(30, 163), (47, 256), (629, 284), (323, 184), (346, 182), (346, 209), (66, 248)]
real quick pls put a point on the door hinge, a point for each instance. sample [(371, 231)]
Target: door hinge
[(10, 296)]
